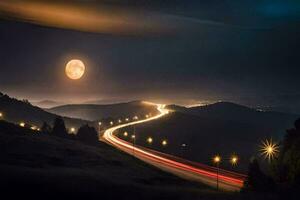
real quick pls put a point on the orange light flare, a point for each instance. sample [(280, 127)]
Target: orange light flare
[(234, 160), (217, 159), (269, 149)]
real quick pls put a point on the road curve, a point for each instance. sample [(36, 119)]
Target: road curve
[(227, 180)]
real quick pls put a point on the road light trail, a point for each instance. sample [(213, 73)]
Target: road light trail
[(228, 181)]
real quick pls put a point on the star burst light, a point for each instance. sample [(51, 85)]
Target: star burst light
[(269, 149)]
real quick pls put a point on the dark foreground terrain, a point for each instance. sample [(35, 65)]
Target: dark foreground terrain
[(47, 167)]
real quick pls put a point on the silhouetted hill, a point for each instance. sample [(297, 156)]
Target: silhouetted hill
[(47, 103), (17, 111), (239, 113), (97, 112)]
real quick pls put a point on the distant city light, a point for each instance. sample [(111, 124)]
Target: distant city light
[(111, 123), (135, 118), (133, 136), (72, 130), (22, 124), (99, 123), (126, 119), (33, 128), (120, 121), (1, 114), (125, 134)]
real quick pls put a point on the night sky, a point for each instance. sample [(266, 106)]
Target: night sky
[(169, 51)]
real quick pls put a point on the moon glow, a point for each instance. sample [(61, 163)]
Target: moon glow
[(75, 69)]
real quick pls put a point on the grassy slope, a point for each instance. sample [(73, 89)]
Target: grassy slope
[(54, 165), (16, 111)]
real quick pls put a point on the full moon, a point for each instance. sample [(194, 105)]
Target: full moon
[(75, 69)]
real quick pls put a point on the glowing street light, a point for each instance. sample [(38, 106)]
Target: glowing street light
[(164, 142), (147, 116), (120, 121), (135, 118), (127, 119), (33, 128), (72, 130), (111, 123), (217, 159), (125, 134), (22, 124), (99, 126), (269, 149), (133, 143), (1, 114), (150, 140), (234, 160)]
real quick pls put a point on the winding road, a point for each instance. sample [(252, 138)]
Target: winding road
[(227, 180)]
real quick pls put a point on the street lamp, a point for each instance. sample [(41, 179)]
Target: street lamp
[(111, 123), (127, 119), (234, 160), (125, 134), (72, 130), (135, 118), (147, 116), (217, 160), (120, 121), (164, 142), (1, 114), (99, 126), (269, 149), (133, 143), (150, 140)]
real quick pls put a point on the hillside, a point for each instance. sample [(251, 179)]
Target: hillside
[(214, 130), (51, 167), (235, 112), (96, 112), (18, 111), (46, 103)]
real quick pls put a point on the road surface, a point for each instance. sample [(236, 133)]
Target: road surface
[(211, 176)]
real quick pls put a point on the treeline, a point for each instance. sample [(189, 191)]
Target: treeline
[(85, 133), (283, 174)]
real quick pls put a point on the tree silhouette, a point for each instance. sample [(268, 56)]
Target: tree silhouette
[(46, 128), (87, 134), (287, 168), (257, 181), (59, 128)]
